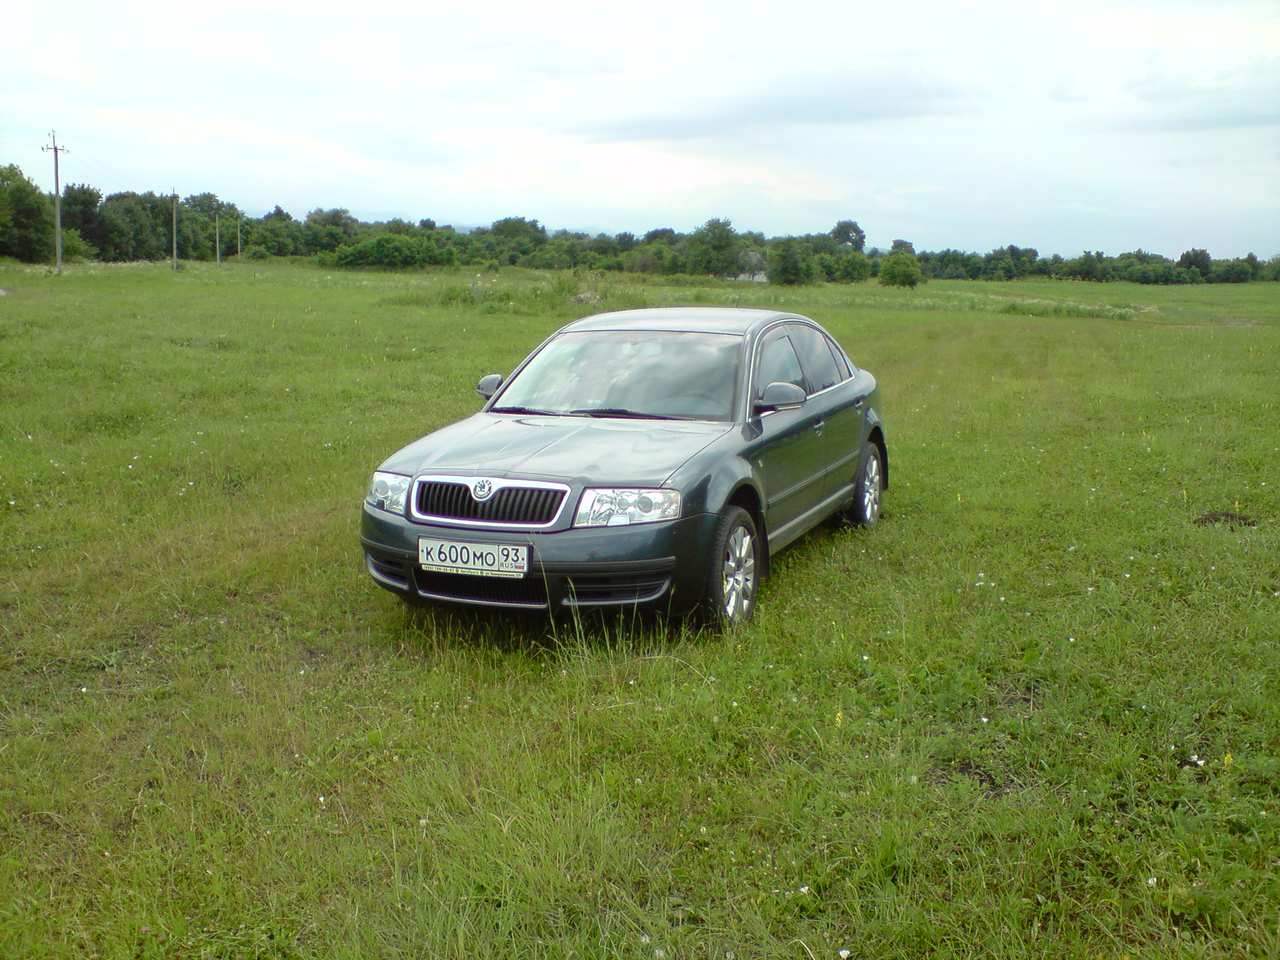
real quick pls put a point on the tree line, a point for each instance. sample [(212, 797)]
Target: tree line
[(129, 226)]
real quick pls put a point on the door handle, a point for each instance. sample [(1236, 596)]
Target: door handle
[(857, 404)]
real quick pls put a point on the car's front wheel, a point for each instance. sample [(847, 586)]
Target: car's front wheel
[(868, 487), (735, 564)]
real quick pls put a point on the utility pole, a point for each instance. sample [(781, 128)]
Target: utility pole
[(174, 197), (57, 198), (217, 237), (239, 217)]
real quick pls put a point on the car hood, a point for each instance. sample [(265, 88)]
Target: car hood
[(582, 449)]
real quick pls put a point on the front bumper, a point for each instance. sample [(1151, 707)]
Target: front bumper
[(652, 564)]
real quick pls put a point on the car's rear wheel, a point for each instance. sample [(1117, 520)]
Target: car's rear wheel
[(734, 576), (868, 488)]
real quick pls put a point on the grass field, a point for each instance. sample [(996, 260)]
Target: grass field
[(1035, 713)]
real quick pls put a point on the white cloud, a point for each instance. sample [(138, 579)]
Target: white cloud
[(1106, 125)]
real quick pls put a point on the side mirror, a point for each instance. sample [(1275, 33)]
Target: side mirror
[(489, 385), (780, 396)]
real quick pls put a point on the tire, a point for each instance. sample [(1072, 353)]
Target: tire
[(733, 575), (868, 489)]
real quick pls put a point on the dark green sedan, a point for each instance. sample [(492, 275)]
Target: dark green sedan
[(647, 457)]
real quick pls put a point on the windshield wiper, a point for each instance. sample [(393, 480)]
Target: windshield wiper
[(528, 411), (622, 412)]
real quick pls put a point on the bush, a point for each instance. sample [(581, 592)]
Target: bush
[(256, 252), (852, 267), (392, 250), (76, 249), (900, 269)]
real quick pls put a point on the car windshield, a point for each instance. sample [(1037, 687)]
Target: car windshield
[(629, 373)]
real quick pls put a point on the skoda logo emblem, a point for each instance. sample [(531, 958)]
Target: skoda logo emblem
[(482, 489)]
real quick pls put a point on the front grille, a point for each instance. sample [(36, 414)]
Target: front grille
[(524, 591), (517, 506)]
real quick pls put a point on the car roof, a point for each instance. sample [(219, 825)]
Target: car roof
[(732, 320)]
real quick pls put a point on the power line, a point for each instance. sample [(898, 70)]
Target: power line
[(57, 198)]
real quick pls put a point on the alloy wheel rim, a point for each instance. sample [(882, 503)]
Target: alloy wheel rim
[(871, 488), (739, 575)]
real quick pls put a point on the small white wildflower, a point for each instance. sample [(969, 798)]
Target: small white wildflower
[(422, 821), (84, 689), (844, 954), (322, 798), (984, 719), (1151, 881), (865, 658), (804, 889), (644, 938)]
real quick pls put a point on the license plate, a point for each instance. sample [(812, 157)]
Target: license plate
[(484, 559)]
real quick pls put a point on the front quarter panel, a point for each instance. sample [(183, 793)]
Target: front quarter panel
[(708, 480)]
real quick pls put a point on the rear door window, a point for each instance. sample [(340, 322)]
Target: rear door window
[(815, 358)]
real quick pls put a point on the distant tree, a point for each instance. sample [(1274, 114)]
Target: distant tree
[(661, 235), (713, 248), (277, 236), (26, 218), (279, 213), (80, 204), (900, 269), (426, 223), (903, 246), (655, 257), (519, 229), (1230, 271), (847, 233), (1200, 259), (205, 204), (791, 263), (134, 226), (625, 241), (329, 229), (752, 262)]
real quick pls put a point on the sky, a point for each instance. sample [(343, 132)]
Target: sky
[(1090, 125)]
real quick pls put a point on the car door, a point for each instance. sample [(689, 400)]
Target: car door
[(789, 451), (837, 405)]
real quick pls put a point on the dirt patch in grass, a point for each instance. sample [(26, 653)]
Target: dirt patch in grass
[(968, 770), (1225, 517)]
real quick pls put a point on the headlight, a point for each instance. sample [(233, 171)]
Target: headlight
[(616, 508), (387, 492)]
